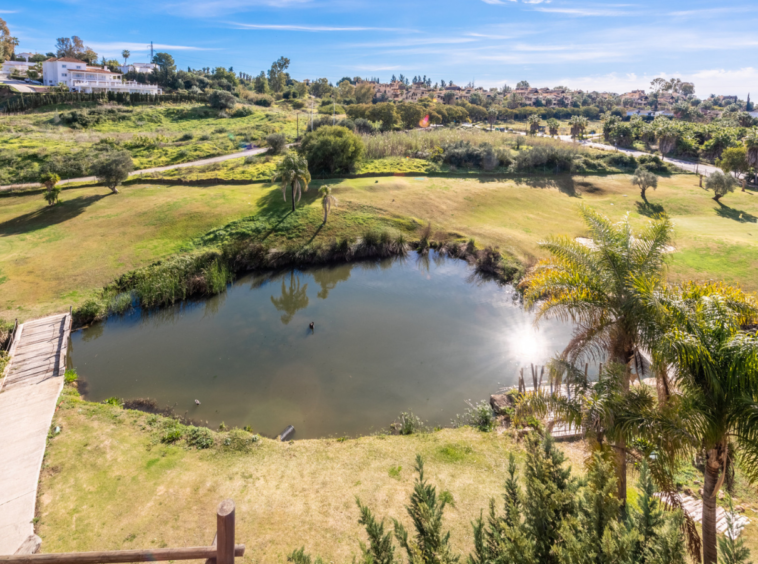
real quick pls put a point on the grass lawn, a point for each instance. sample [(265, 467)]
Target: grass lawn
[(53, 257), (109, 483)]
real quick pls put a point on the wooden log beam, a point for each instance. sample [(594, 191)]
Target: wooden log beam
[(121, 556)]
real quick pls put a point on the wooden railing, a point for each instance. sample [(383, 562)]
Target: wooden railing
[(222, 551)]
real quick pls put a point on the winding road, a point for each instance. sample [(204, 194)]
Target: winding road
[(219, 159)]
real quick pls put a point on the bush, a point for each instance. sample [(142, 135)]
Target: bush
[(480, 416), (297, 104), (171, 435), (277, 143), (70, 376), (408, 424), (89, 312), (652, 162), (243, 111), (332, 149), (199, 437), (263, 100), (221, 100), (364, 126)]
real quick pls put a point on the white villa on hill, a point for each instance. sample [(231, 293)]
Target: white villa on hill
[(80, 77), (138, 67)]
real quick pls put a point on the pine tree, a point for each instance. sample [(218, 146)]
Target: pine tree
[(732, 549), (550, 492), (380, 549), (430, 545)]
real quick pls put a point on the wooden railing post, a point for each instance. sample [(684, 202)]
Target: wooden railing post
[(225, 532)]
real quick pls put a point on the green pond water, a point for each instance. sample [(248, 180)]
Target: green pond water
[(420, 334)]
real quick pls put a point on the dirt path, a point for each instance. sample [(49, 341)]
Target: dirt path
[(219, 159)]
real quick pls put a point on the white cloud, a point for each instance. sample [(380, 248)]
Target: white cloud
[(8, 11), (585, 12), (314, 28), (112, 46), (710, 81)]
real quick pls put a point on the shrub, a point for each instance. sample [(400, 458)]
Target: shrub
[(364, 126), (221, 100), (243, 111), (264, 101), (70, 376), (297, 104), (114, 401), (276, 142), (88, 312), (652, 163), (332, 149), (408, 424), (481, 416), (171, 435), (199, 437), (50, 181)]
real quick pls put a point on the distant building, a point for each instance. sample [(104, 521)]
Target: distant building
[(138, 67), (80, 77), (21, 66), (25, 56)]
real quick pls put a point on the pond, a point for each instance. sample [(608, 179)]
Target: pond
[(419, 334)]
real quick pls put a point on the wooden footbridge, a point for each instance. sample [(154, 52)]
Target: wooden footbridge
[(28, 397)]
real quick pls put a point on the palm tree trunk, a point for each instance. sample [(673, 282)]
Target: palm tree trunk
[(713, 466), (293, 196)]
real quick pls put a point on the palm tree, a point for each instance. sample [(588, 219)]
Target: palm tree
[(592, 285), (716, 379), (292, 172), (534, 124), (327, 200), (578, 125), (553, 126), (125, 54)]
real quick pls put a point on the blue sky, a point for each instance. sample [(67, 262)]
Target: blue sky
[(587, 45)]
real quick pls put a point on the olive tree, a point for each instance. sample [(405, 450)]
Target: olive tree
[(276, 143), (644, 179), (221, 100), (721, 184), (113, 169)]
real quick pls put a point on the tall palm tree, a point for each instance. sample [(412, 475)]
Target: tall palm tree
[(125, 54), (534, 124), (327, 200), (751, 143), (716, 379), (292, 172), (578, 125), (553, 126), (593, 286)]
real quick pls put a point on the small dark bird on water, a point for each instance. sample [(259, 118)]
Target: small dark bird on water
[(312, 325), (197, 402)]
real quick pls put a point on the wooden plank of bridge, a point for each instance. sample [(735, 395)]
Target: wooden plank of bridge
[(28, 395)]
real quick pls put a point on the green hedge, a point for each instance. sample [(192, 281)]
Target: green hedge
[(23, 102)]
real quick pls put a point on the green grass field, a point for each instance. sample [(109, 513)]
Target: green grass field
[(53, 257), (153, 135)]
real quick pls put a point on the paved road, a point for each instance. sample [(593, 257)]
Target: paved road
[(704, 169), (19, 85), (202, 162)]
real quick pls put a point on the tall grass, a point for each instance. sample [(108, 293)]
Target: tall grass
[(409, 143)]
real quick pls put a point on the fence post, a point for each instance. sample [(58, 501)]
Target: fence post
[(225, 532)]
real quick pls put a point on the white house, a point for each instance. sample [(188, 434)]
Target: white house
[(80, 77), (21, 66), (25, 56), (138, 67)]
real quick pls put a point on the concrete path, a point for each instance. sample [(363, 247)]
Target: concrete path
[(28, 396), (219, 159)]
